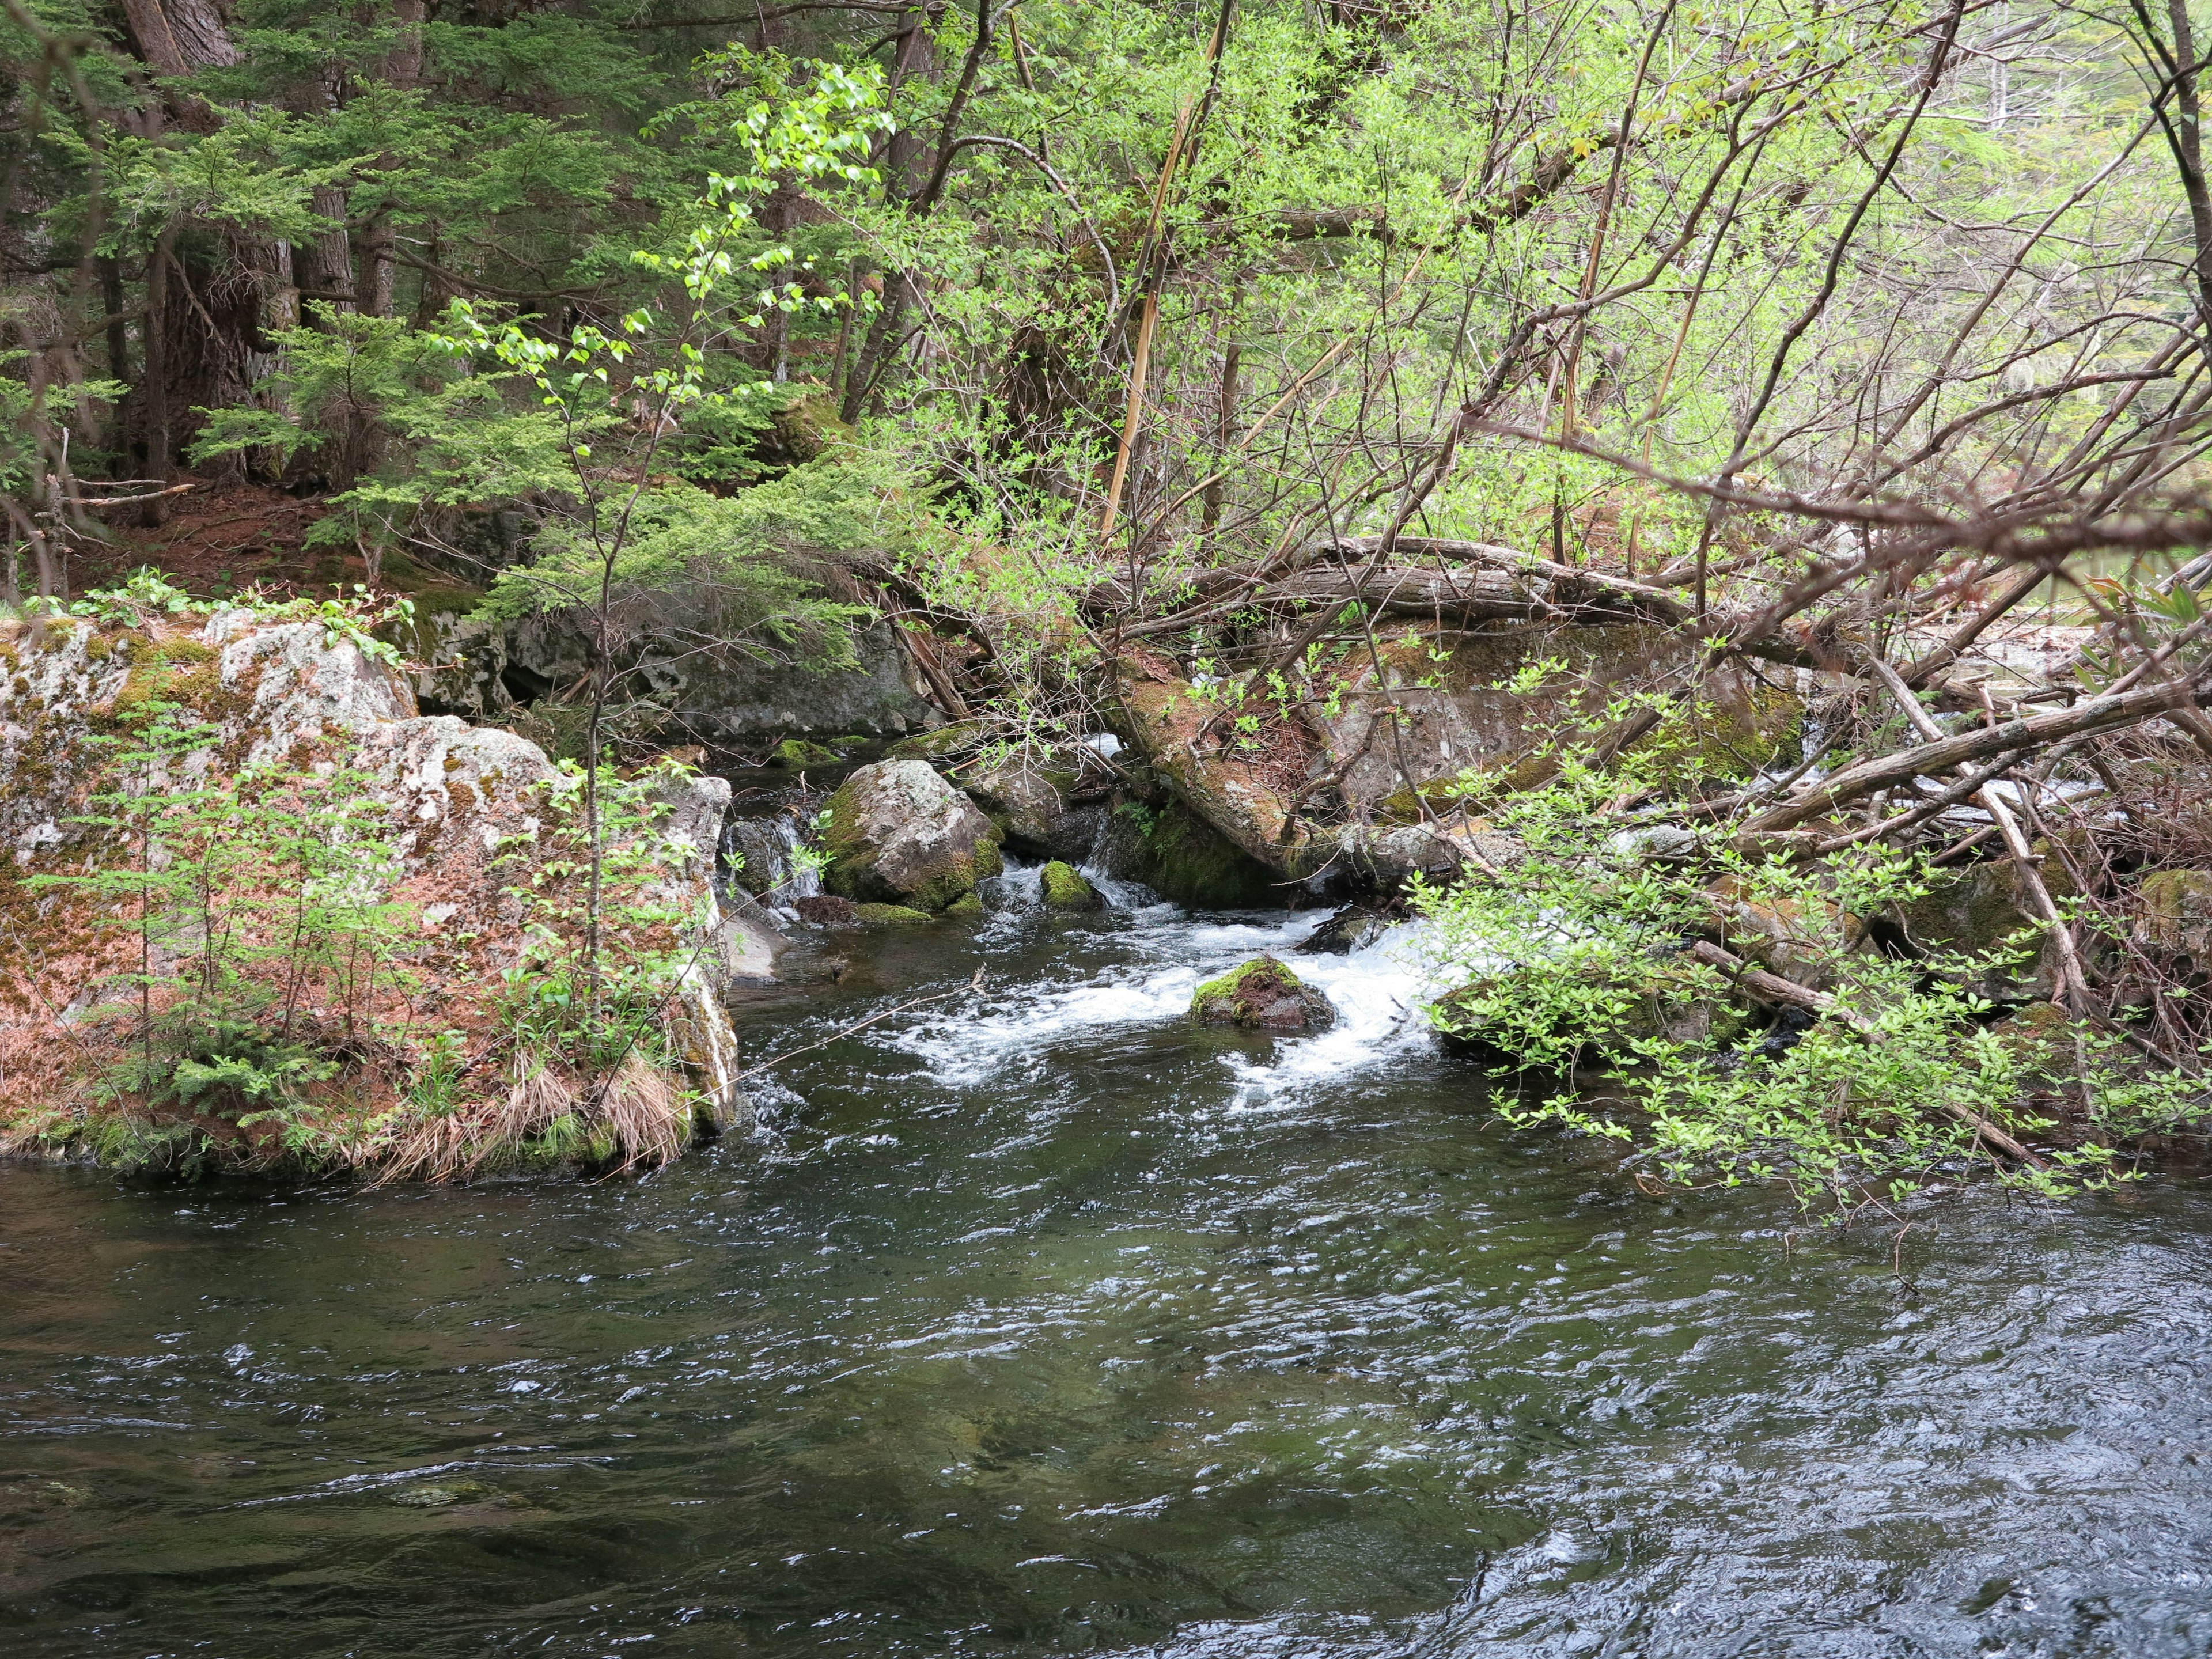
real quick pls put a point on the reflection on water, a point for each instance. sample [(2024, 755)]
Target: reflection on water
[(1042, 1323)]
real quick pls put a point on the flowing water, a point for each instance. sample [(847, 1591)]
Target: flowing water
[(1037, 1322)]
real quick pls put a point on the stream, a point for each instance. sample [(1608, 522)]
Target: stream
[(1036, 1321)]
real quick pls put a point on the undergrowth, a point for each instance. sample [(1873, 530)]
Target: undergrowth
[(1577, 964)]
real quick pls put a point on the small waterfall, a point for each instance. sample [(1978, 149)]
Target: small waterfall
[(761, 861)]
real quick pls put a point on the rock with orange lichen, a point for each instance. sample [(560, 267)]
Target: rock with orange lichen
[(428, 1071)]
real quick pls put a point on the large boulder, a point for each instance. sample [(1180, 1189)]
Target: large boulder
[(481, 668), (1984, 907), (1025, 799), (460, 816), (1183, 859), (899, 834)]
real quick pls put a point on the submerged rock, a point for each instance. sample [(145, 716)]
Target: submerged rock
[(828, 910), (1262, 996), (899, 834), (1352, 928), (441, 1495)]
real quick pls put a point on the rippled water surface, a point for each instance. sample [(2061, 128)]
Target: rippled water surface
[(1040, 1324)]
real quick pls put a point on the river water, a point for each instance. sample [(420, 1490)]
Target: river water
[(1035, 1322)]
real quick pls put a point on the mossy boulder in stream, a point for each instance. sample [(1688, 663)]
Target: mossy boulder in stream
[(1065, 889), (1182, 858), (900, 835), (797, 753), (1262, 996), (889, 915)]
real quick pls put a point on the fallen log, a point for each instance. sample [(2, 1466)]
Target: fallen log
[(2091, 716)]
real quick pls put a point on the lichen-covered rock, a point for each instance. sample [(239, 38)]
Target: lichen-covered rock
[(481, 668), (1065, 889), (455, 816), (1262, 996), (1387, 859), (899, 834)]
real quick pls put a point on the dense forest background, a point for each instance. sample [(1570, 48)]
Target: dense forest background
[(1091, 316)]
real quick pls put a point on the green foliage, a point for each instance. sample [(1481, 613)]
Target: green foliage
[(1574, 959), (595, 980), (715, 570)]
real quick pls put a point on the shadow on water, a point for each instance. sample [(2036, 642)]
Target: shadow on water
[(1040, 1323)]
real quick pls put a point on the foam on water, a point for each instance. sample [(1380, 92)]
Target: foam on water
[(1165, 953)]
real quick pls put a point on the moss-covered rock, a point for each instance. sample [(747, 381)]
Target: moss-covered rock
[(969, 907), (889, 915), (1183, 859), (1983, 908), (1025, 799), (899, 834), (2173, 913), (1065, 889), (1262, 996), (945, 744), (798, 754)]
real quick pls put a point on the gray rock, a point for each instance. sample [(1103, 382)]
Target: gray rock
[(899, 834), (479, 669), (1023, 798), (1352, 928)]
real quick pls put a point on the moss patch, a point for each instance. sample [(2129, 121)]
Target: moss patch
[(797, 753), (889, 915), (945, 744)]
